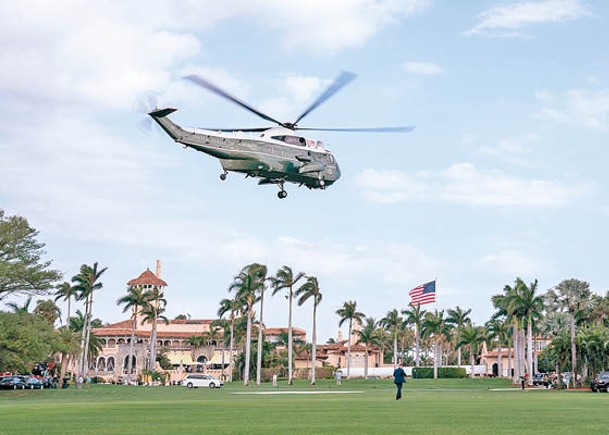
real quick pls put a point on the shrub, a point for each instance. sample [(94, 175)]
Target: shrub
[(443, 372)]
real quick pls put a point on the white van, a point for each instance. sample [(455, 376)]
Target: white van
[(195, 380)]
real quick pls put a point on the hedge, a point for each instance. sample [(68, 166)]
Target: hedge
[(443, 372)]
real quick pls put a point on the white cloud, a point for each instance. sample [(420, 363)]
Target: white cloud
[(463, 183), (507, 20), (515, 150), (513, 262), (423, 68), (323, 27), (579, 107)]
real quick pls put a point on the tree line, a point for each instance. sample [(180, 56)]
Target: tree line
[(570, 314)]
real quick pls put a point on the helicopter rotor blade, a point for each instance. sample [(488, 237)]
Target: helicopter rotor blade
[(343, 79), (363, 130), (216, 90)]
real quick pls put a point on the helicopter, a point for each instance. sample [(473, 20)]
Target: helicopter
[(278, 154)]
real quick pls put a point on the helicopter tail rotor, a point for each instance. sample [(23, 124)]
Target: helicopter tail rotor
[(143, 105)]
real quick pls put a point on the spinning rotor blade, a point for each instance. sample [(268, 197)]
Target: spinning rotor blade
[(144, 104), (363, 130), (344, 78), (216, 90)]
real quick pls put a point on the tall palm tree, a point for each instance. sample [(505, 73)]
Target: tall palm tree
[(285, 279), (66, 292), (152, 311), (528, 306), (221, 325), (506, 307), (349, 312), (133, 300), (310, 289), (245, 286), (369, 336), (414, 316), (259, 271), (85, 283), (393, 321), (471, 336), (436, 327), (233, 307), (573, 296), (458, 317)]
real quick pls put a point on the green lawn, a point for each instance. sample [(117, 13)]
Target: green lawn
[(443, 406)]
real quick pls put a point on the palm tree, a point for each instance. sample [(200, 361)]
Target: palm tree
[(69, 346), (133, 300), (285, 279), (436, 327), (25, 308), (85, 283), (393, 321), (310, 289), (223, 325), (152, 311), (349, 312), (505, 307), (459, 318), (66, 292), (414, 316), (528, 306), (48, 309), (472, 336), (573, 296), (497, 329), (245, 285), (368, 336), (259, 272), (231, 306)]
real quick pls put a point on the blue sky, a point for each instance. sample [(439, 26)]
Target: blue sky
[(504, 175)]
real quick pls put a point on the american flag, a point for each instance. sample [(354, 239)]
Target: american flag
[(423, 294)]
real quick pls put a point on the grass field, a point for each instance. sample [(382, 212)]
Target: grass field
[(360, 407)]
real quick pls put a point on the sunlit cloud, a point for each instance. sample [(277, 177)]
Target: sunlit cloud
[(509, 20)]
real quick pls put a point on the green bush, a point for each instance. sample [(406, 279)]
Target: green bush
[(443, 372)]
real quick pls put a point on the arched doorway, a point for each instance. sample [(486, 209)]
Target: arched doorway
[(201, 362), (495, 369)]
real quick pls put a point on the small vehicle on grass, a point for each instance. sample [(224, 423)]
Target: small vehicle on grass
[(600, 382), (196, 380)]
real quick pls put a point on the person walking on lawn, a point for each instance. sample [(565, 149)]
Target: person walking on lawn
[(399, 377)]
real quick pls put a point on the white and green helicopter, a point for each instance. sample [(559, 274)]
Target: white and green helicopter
[(278, 155)]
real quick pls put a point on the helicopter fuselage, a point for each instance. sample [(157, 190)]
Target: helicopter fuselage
[(276, 156)]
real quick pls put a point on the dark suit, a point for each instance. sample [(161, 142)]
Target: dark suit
[(399, 377)]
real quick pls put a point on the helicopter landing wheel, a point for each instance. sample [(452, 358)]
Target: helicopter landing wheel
[(223, 176), (282, 194)]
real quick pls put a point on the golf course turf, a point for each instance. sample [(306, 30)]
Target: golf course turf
[(479, 406)]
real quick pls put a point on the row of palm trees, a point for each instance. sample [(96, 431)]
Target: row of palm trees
[(248, 289)]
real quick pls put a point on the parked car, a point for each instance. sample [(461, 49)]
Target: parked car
[(33, 383), (195, 380), (13, 383), (600, 382), (541, 379)]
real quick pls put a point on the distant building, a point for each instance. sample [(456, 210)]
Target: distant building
[(172, 340)]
